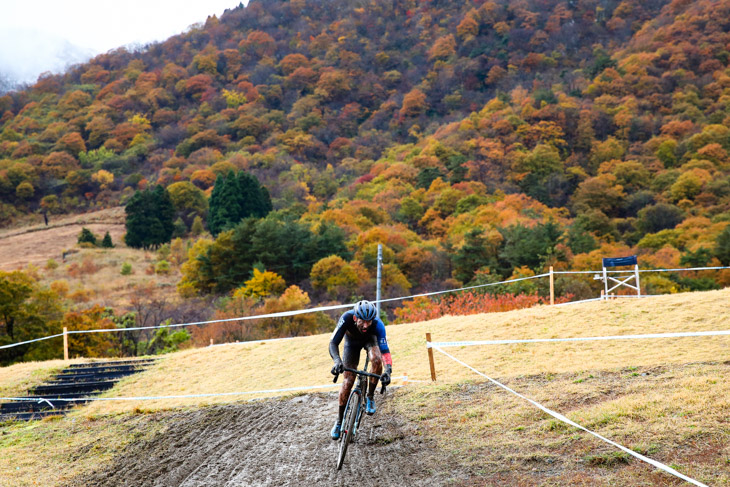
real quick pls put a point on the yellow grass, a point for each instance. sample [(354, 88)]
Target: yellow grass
[(31, 247), (305, 361), (35, 244)]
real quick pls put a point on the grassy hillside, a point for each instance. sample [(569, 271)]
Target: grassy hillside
[(666, 398)]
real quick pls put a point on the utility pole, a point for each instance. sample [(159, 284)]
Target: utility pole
[(378, 281)]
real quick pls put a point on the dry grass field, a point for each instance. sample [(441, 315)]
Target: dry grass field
[(36, 243), (666, 398), (88, 275)]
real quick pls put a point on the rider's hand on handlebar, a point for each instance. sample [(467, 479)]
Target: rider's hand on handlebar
[(385, 378), (338, 368)]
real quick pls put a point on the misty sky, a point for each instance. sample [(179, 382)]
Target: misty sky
[(48, 35)]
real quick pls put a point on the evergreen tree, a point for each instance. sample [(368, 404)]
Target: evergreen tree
[(722, 246), (225, 207), (529, 246), (149, 218), (86, 236), (107, 241), (234, 198), (473, 255)]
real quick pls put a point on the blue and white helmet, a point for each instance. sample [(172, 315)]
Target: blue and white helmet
[(365, 310)]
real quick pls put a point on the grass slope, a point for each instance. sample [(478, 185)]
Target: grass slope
[(664, 397)]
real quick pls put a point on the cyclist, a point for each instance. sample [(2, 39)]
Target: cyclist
[(361, 328)]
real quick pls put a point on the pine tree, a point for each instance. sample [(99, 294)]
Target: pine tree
[(234, 198), (149, 218), (107, 241), (473, 255), (86, 236), (225, 206), (250, 195), (722, 246)]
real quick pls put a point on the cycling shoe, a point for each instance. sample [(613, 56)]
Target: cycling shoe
[(336, 431), (370, 405)]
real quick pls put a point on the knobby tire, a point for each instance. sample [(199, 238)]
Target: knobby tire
[(348, 422)]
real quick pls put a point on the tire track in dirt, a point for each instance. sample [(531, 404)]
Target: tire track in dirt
[(274, 443)]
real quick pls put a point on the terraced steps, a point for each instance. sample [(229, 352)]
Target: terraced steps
[(75, 384)]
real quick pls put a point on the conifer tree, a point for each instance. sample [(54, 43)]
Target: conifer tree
[(722, 246), (225, 206), (107, 241), (234, 198), (86, 236), (149, 218)]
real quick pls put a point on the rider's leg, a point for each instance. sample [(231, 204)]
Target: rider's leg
[(348, 380), (376, 367), (350, 358)]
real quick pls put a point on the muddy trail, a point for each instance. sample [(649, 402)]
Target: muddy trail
[(275, 443)]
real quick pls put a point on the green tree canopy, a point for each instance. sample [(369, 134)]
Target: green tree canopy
[(234, 198), (150, 216)]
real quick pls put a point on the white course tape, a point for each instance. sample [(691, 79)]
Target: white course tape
[(341, 306), (187, 396), (576, 425), (269, 315), (578, 302), (578, 339)]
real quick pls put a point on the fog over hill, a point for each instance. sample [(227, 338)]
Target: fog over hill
[(35, 53)]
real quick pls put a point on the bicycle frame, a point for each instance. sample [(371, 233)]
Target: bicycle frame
[(354, 409)]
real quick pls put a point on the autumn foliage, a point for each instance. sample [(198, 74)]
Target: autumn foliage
[(466, 303), (473, 140)]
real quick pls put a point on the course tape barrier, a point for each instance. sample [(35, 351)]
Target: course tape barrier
[(564, 419), (280, 314), (404, 378), (339, 306), (578, 339)]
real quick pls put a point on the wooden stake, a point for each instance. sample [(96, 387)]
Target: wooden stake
[(65, 343), (430, 358), (211, 342), (552, 287)]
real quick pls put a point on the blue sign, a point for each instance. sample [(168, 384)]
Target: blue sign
[(620, 261)]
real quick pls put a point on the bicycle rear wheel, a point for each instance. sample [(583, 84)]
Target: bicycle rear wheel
[(348, 424)]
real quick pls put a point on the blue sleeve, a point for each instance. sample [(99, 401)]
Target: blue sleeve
[(339, 332), (380, 333)]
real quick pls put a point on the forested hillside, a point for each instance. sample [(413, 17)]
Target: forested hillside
[(476, 140)]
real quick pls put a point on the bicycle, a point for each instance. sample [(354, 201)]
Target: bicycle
[(351, 420)]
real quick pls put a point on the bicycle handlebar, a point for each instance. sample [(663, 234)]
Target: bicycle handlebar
[(360, 372)]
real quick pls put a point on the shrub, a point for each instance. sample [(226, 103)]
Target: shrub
[(162, 267), (198, 226), (51, 264), (86, 236), (466, 303), (126, 269)]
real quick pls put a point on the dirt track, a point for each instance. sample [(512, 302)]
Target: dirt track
[(274, 443)]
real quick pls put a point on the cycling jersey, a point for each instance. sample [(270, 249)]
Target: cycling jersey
[(347, 327)]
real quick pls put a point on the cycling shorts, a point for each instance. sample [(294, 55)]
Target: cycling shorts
[(351, 352)]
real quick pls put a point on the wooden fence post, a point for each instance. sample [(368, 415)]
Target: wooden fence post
[(65, 343), (211, 342), (430, 357), (552, 287)]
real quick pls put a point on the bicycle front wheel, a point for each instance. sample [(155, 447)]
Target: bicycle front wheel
[(348, 425)]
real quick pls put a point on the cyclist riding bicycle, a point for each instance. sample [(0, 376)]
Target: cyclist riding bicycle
[(361, 328)]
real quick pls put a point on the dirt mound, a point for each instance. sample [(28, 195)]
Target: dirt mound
[(274, 443)]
